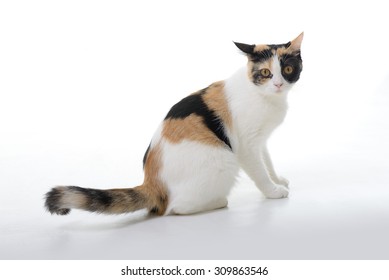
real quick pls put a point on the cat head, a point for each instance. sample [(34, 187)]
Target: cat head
[(274, 68)]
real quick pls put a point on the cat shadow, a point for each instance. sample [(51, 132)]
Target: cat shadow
[(143, 217), (131, 220)]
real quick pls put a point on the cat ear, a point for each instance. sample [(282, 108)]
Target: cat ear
[(295, 44), (248, 49)]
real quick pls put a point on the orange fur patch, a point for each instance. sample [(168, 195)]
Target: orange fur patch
[(216, 101), (192, 127), (259, 48), (153, 188), (282, 51)]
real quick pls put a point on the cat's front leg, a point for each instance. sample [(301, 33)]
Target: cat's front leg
[(270, 168), (275, 191), (283, 181), (253, 164)]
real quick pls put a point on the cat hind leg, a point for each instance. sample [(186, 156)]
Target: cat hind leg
[(193, 209)]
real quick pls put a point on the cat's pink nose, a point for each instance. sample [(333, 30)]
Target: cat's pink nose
[(279, 85)]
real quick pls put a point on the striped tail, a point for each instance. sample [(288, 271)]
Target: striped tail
[(60, 200)]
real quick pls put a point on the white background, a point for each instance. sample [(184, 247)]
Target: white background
[(83, 85)]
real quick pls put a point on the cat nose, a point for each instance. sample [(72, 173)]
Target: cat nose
[(278, 85)]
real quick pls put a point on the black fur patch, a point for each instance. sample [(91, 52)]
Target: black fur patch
[(261, 56), (194, 104), (154, 210), (145, 156), (98, 199), (277, 46), (249, 49), (267, 53), (295, 61), (53, 201)]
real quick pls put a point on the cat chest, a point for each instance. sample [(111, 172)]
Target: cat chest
[(260, 122)]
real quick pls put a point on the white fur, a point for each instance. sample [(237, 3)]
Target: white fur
[(277, 79), (199, 177), (256, 112)]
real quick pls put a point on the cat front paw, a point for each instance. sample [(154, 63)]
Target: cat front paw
[(277, 191)]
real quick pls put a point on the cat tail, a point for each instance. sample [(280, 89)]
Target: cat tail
[(60, 200)]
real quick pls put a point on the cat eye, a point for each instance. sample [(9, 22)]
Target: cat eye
[(265, 73), (288, 70)]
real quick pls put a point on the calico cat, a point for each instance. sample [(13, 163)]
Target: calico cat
[(195, 155)]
